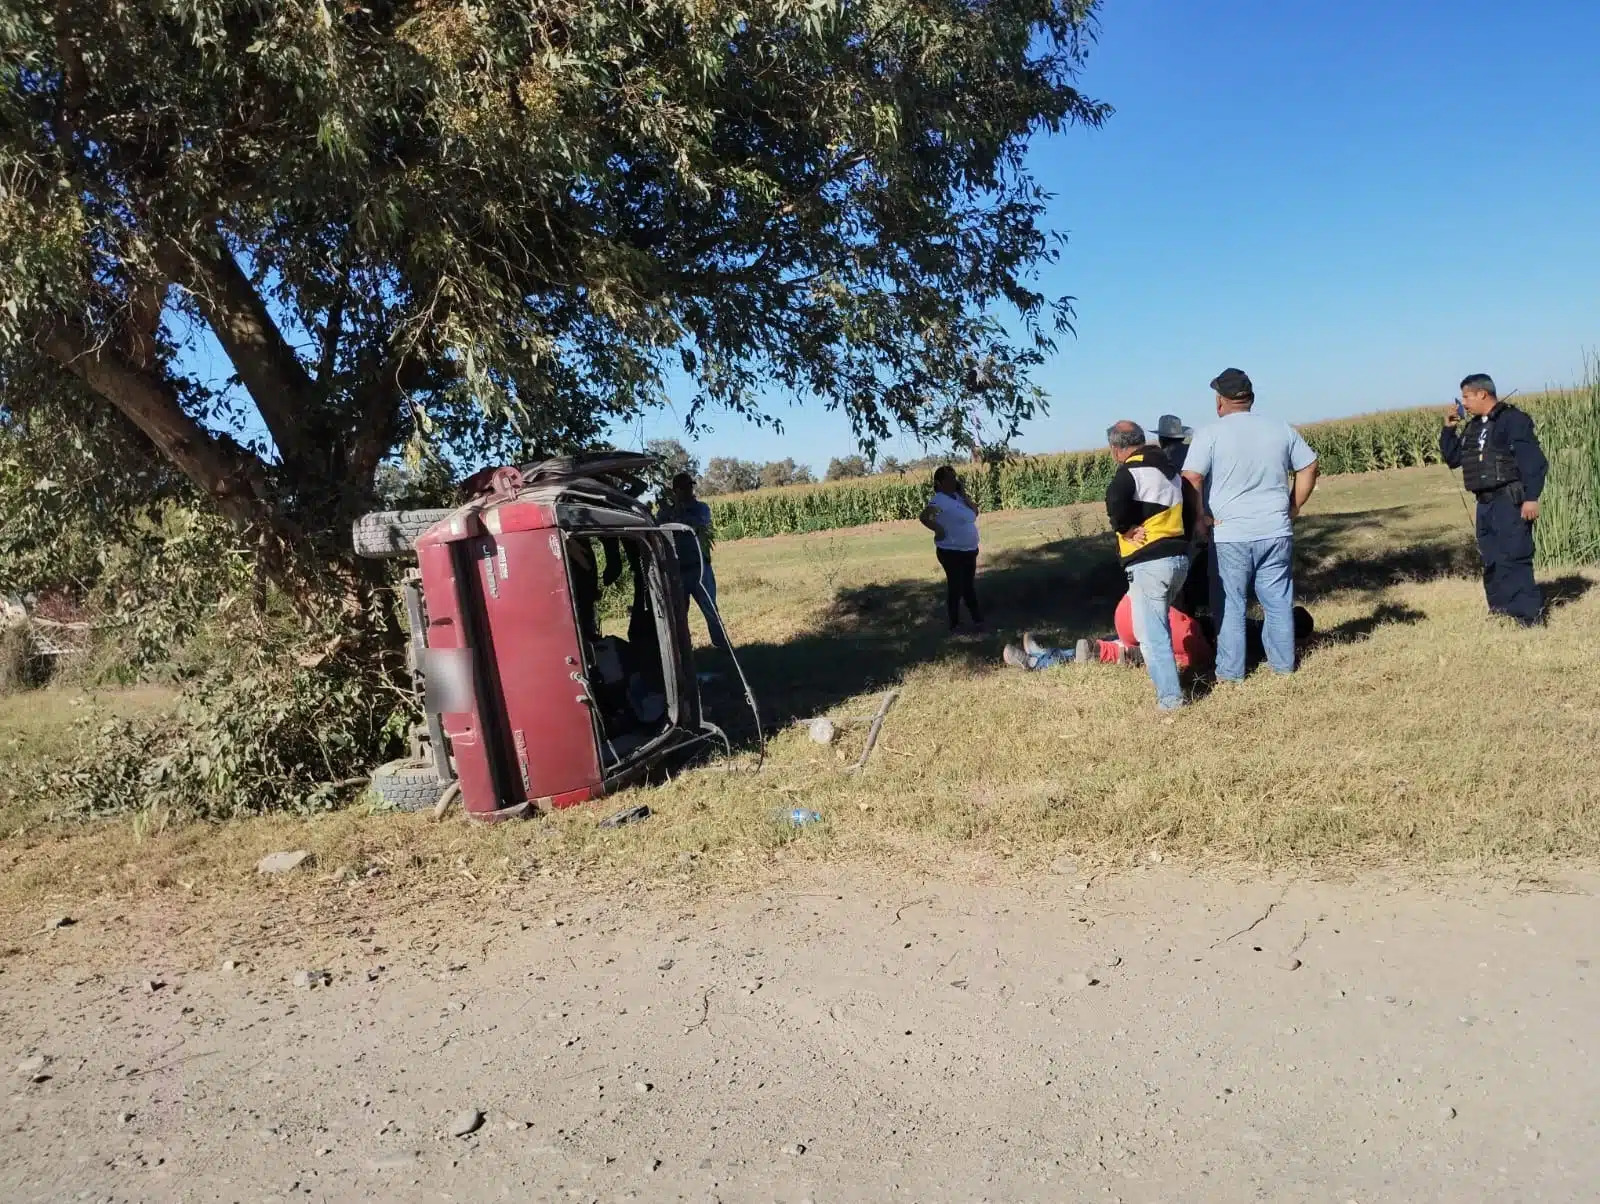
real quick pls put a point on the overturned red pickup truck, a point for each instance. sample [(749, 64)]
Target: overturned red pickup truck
[(528, 706)]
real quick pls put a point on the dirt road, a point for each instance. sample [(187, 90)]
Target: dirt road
[(1149, 1037)]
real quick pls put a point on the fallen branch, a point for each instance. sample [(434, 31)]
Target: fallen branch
[(877, 726), (451, 793)]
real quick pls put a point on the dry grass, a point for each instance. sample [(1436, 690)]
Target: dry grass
[(1419, 732)]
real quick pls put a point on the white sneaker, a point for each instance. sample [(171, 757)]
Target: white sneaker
[(1017, 658)]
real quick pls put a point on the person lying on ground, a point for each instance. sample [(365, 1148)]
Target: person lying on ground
[(1192, 643), (1190, 647)]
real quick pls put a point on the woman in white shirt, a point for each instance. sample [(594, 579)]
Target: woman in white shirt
[(953, 518)]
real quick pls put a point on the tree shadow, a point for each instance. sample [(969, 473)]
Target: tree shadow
[(1351, 631), (1326, 563), (872, 634)]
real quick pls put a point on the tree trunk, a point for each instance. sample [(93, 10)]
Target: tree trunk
[(269, 368), (234, 479)]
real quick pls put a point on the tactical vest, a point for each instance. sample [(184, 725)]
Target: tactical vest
[(1486, 464)]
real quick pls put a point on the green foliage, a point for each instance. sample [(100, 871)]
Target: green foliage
[(474, 232), (1568, 530), (19, 666), (96, 525), (285, 724), (847, 468), (182, 577), (74, 484), (1028, 482), (1399, 439), (674, 458), (726, 474), (777, 473), (894, 465)]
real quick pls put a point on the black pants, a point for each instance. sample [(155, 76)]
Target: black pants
[(1196, 593), (960, 575), (1505, 541)]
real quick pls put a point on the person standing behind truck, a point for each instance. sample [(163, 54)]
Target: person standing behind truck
[(953, 518), (1242, 465), (1498, 453), (681, 506)]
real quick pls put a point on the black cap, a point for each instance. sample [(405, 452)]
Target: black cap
[(1234, 385)]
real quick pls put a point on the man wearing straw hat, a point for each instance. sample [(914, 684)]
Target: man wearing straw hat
[(1174, 438)]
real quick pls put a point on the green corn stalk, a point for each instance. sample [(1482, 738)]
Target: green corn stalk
[(1568, 533), (1568, 530)]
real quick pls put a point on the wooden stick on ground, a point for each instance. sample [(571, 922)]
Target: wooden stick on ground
[(451, 793), (877, 726)]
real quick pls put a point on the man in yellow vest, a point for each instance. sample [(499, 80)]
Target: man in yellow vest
[(1153, 514)]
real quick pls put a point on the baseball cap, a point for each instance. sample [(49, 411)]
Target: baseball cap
[(1233, 384), (1171, 427)]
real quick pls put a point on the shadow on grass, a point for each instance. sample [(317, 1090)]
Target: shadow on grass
[(1353, 631), (1564, 591), (1329, 561), (872, 634), (1069, 587)]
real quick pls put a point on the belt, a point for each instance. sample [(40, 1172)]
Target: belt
[(1511, 489)]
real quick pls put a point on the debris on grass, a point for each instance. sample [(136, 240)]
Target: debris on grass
[(282, 863)]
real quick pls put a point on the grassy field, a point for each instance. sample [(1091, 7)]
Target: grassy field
[(1419, 731)]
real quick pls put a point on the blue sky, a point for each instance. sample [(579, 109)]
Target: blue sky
[(1356, 203)]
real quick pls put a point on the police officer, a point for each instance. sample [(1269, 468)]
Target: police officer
[(1501, 462)]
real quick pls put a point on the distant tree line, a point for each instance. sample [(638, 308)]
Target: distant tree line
[(728, 474)]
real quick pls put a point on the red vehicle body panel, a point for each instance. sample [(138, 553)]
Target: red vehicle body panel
[(522, 731)]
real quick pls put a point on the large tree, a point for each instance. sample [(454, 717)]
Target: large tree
[(501, 224)]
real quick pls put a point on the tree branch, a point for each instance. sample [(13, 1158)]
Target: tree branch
[(276, 379), (403, 372), (230, 476)]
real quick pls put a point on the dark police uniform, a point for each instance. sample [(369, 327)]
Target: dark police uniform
[(1501, 461)]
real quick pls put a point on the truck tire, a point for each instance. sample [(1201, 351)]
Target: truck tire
[(407, 785), (385, 533)]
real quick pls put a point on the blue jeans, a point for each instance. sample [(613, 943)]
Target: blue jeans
[(702, 587), (1265, 565), (1154, 585)]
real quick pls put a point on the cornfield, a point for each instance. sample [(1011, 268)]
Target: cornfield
[(1568, 530), (1569, 425), (1025, 483)]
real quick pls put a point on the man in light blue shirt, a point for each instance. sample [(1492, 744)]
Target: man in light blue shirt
[(1243, 465)]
